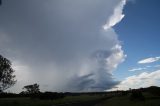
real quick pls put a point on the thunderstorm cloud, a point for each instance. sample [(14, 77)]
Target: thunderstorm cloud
[(64, 45)]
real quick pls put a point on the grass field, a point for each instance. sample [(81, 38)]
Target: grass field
[(37, 102), (150, 100), (84, 100)]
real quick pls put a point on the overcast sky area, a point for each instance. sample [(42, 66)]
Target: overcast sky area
[(75, 45)]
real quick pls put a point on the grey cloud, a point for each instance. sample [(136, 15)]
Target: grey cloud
[(59, 41)]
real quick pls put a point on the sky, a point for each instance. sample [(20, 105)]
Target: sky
[(139, 33), (83, 45)]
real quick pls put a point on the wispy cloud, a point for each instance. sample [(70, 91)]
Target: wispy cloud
[(148, 66), (149, 60), (144, 68), (137, 69), (157, 66)]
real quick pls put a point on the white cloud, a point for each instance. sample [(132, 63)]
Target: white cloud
[(137, 69), (116, 58), (149, 60), (144, 79), (144, 68), (117, 15), (148, 66), (157, 66)]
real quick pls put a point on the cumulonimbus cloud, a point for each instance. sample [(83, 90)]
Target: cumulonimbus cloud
[(116, 17), (61, 44)]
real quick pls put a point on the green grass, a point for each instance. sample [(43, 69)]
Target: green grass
[(81, 98), (37, 102), (23, 102), (150, 100)]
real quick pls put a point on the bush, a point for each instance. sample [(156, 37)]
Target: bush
[(51, 95), (137, 95), (154, 90)]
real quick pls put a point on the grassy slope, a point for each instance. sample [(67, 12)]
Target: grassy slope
[(36, 102), (150, 100)]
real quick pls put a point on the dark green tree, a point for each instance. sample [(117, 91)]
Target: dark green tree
[(7, 79), (32, 89)]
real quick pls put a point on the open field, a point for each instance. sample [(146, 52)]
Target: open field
[(136, 97), (150, 100), (84, 100)]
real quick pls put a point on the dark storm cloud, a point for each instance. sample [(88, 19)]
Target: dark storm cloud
[(61, 43)]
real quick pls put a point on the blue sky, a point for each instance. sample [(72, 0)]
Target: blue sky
[(139, 33)]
